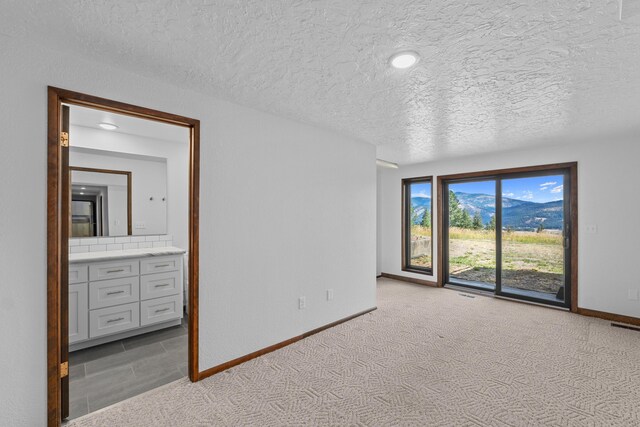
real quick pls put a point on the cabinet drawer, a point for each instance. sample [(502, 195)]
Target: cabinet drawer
[(110, 320), (114, 270), (160, 309), (160, 264), (78, 273), (78, 313), (107, 293), (160, 285)]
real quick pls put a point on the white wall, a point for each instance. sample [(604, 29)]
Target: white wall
[(286, 210), (608, 177), (177, 155), (148, 180)]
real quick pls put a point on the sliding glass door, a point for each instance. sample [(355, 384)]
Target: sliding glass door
[(534, 248), (471, 233), (510, 234)]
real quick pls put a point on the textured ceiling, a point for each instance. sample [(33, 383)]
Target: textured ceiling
[(494, 75)]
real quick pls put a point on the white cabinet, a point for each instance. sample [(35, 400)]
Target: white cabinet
[(110, 320), (123, 297), (78, 313), (113, 270), (160, 309), (107, 293)]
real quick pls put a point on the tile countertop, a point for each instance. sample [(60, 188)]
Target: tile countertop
[(123, 254)]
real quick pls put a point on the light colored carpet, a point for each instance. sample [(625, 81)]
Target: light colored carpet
[(425, 357)]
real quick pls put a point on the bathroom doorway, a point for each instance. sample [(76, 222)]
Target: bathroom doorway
[(122, 282)]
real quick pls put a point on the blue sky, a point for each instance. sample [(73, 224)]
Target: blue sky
[(421, 190), (538, 189)]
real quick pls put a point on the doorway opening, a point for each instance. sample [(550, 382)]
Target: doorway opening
[(512, 233), (122, 251)]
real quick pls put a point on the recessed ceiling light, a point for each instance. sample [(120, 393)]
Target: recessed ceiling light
[(83, 188), (404, 59), (107, 126), (81, 193)]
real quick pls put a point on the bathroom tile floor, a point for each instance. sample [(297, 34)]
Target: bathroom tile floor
[(106, 374)]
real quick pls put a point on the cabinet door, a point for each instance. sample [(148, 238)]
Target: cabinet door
[(78, 313)]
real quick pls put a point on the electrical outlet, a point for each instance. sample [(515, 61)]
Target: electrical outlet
[(633, 295), (302, 303), (592, 229), (140, 225), (329, 294)]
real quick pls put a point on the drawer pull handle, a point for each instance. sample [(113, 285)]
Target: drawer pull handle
[(160, 310), (162, 285), (115, 320), (162, 265), (115, 292), (115, 271)]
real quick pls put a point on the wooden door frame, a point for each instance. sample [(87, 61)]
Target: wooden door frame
[(571, 167), (128, 174), (55, 253)]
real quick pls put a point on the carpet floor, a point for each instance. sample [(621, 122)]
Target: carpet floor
[(426, 357)]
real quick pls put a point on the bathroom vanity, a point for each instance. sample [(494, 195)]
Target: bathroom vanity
[(122, 293)]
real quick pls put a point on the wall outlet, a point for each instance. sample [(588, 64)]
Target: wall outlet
[(302, 303), (633, 295), (329, 294), (592, 229), (140, 225)]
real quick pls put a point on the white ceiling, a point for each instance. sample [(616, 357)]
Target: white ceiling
[(90, 117), (494, 75)]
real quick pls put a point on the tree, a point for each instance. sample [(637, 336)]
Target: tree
[(455, 212), (477, 221), (540, 228), (426, 219), (465, 220), (413, 215), (491, 225)]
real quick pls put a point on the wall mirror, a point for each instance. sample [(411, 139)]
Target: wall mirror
[(100, 202), (117, 194)]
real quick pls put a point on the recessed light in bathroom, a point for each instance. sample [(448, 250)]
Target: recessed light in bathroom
[(404, 59), (108, 126)]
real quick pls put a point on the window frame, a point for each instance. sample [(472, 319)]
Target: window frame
[(406, 227)]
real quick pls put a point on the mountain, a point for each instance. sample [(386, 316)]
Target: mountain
[(420, 205), (517, 214)]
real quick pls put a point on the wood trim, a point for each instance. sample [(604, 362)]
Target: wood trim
[(508, 171), (55, 98), (54, 177), (84, 100), (573, 203), (406, 266), (608, 316), (440, 215), (224, 366), (410, 280), (572, 167), (194, 251), (129, 190)]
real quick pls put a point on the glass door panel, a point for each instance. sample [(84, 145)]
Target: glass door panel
[(471, 233), (533, 248)]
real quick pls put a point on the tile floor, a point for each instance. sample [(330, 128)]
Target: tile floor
[(103, 375)]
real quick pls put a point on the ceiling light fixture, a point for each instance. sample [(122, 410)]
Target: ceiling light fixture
[(386, 164), (107, 126), (404, 59)]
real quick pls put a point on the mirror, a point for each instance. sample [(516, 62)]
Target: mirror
[(100, 202), (117, 194)]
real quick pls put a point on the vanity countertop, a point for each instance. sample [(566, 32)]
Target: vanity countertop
[(123, 254)]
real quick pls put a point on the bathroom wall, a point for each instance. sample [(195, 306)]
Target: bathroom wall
[(176, 154)]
